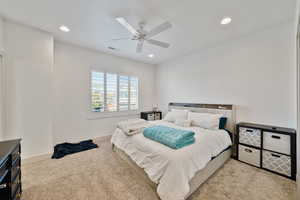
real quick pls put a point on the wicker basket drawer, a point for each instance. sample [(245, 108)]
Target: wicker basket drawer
[(249, 155), (157, 116), (277, 142), (250, 136), (277, 162), (151, 117)]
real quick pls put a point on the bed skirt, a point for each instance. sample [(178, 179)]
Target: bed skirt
[(200, 177)]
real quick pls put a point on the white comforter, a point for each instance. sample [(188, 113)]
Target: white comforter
[(172, 169)]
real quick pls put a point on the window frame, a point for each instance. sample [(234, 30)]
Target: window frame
[(106, 112)]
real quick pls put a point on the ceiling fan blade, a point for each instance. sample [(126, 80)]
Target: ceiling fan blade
[(139, 46), (117, 39), (159, 29), (159, 43), (130, 28)]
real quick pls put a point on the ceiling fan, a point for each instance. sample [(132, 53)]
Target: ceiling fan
[(142, 35)]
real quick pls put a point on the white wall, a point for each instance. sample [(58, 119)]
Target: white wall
[(1, 80), (2, 116), (257, 73), (1, 35), (28, 61), (73, 120), (297, 34)]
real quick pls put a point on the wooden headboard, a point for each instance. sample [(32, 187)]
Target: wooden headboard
[(227, 110)]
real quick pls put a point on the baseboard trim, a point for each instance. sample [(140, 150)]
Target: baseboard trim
[(102, 138), (42, 157), (38, 158)]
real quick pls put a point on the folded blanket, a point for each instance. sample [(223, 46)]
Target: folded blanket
[(174, 138), (133, 126)]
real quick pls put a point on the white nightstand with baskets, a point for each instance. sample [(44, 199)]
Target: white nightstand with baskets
[(268, 147)]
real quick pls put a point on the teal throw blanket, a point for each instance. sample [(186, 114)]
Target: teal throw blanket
[(174, 138)]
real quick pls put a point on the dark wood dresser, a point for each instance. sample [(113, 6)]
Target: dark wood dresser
[(10, 170)]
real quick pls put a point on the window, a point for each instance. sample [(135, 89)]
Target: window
[(123, 93), (98, 91), (134, 86), (112, 92)]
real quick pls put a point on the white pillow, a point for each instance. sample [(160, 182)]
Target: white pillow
[(205, 120), (176, 114), (183, 122)]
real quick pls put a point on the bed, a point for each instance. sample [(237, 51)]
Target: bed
[(176, 174)]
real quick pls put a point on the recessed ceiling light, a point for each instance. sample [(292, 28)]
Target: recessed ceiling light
[(64, 28), (151, 55), (226, 20)]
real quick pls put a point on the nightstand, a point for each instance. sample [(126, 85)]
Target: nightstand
[(268, 147), (151, 115)]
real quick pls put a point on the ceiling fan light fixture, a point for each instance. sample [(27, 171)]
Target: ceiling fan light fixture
[(141, 36), (64, 28), (226, 20), (151, 55)]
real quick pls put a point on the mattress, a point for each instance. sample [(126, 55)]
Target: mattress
[(172, 170)]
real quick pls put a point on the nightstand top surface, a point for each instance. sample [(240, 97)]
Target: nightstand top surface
[(268, 127), (6, 147), (149, 112)]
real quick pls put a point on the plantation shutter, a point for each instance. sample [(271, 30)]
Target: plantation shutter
[(134, 88), (97, 91), (123, 93)]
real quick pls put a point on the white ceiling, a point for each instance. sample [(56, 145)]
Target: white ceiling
[(196, 23)]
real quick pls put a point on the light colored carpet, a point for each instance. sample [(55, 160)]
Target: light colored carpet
[(99, 174)]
